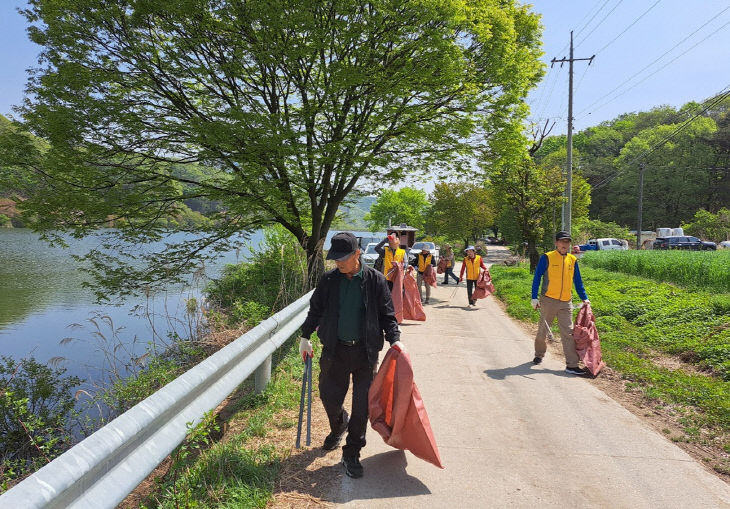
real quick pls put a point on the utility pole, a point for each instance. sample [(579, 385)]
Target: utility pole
[(641, 204), (568, 206)]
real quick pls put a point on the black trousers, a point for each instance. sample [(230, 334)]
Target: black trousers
[(334, 381), (470, 285)]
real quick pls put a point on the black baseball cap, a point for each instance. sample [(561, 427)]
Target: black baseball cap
[(343, 245), (562, 235)]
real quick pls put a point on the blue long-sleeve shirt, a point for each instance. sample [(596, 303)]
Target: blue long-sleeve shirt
[(542, 266)]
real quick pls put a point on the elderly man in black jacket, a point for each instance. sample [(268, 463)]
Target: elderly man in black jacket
[(352, 311)]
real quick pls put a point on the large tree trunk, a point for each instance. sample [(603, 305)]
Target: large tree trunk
[(315, 260)]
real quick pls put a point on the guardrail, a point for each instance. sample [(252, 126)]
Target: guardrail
[(104, 468)]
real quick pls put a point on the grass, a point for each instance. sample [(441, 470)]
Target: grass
[(640, 320), (700, 270), (239, 471)]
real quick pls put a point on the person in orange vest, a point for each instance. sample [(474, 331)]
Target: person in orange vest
[(473, 264), (450, 261), (420, 262), (392, 253), (558, 271)]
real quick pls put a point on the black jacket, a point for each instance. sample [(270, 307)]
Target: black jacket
[(378, 319)]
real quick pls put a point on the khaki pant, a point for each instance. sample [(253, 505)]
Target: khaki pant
[(549, 309), (421, 283)]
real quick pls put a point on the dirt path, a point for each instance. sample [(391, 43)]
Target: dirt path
[(510, 434)]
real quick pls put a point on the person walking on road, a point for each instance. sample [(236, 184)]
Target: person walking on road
[(420, 262), (352, 310), (448, 257), (473, 265), (558, 271), (392, 253)]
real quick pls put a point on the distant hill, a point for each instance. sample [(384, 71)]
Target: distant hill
[(350, 217)]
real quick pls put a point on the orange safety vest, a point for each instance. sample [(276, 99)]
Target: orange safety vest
[(558, 279), (473, 267), (389, 258), (423, 262)]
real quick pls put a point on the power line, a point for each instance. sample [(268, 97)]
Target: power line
[(589, 21), (653, 62), (627, 28), (657, 70), (599, 24)]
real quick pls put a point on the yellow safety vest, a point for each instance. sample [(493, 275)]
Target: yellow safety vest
[(423, 262), (558, 279), (389, 258), (473, 267)]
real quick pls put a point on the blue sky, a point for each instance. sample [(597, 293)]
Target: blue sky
[(619, 70)]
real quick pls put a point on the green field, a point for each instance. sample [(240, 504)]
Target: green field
[(702, 270), (640, 321)]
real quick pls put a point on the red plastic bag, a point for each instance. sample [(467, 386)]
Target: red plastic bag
[(429, 276), (441, 266), (484, 286), (396, 409), (412, 307), (587, 342)]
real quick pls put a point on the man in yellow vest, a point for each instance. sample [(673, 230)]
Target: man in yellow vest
[(558, 271), (473, 265), (391, 253), (420, 262)]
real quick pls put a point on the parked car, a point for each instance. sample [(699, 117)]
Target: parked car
[(603, 245), (369, 255), (684, 242), (418, 247), (725, 244)]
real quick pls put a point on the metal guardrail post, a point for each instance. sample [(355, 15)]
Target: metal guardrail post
[(263, 375), (100, 471)]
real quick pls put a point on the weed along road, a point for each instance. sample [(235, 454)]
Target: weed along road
[(512, 434)]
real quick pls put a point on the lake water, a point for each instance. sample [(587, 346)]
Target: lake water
[(45, 312)]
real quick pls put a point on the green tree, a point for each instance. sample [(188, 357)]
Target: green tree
[(407, 205), (710, 226), (461, 211), (285, 105)]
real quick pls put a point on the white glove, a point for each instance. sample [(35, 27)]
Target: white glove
[(535, 303), (400, 346), (305, 348), (586, 301)]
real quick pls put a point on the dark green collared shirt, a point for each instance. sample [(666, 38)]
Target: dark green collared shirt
[(351, 307)]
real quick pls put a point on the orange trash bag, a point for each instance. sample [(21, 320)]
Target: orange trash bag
[(396, 409), (412, 307), (587, 342), (484, 286), (429, 276)]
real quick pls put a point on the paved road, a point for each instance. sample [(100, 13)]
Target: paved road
[(516, 435)]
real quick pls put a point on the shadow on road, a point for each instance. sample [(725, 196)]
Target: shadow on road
[(526, 369), (385, 477)]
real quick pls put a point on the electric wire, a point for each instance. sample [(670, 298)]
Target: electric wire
[(599, 24), (653, 62), (628, 27), (656, 71)]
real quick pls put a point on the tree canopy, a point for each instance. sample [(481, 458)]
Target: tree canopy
[(406, 205), (287, 107)]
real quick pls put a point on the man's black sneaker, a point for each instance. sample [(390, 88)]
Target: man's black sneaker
[(332, 441), (537, 360), (353, 467), (577, 371)]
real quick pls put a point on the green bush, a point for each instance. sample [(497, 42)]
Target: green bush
[(36, 408), (275, 278), (5, 221)]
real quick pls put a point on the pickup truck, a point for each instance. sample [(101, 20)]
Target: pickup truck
[(602, 245)]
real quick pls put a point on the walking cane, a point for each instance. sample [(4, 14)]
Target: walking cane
[(309, 402), (301, 402)]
